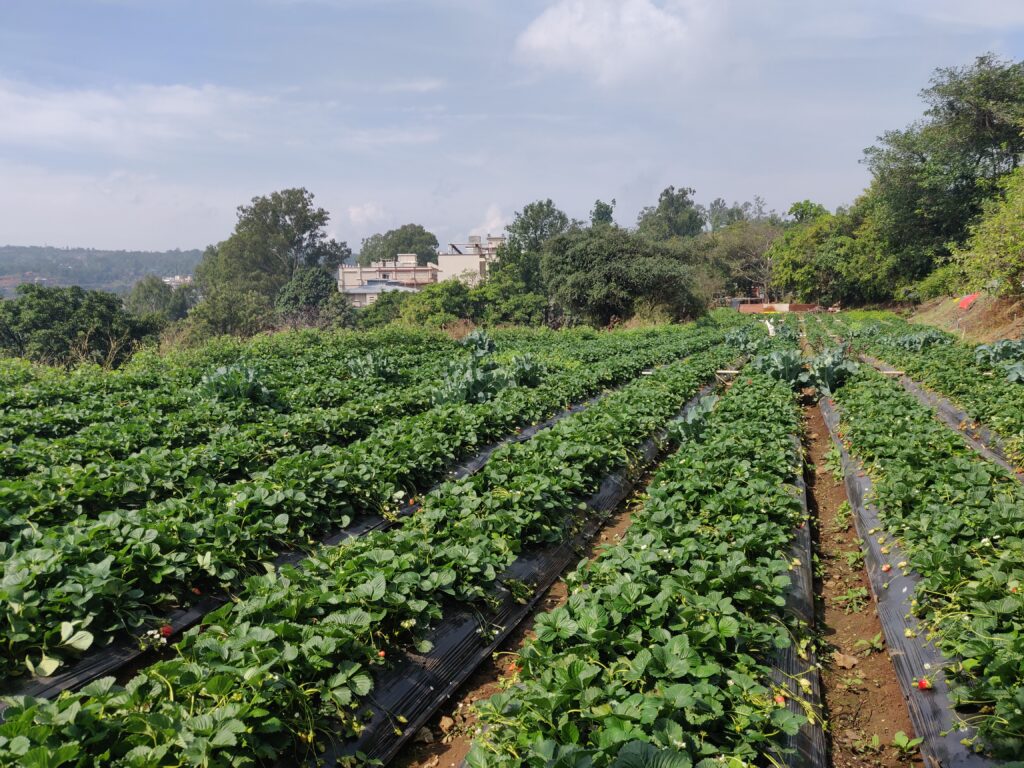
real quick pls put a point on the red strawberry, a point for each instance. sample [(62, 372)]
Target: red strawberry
[(166, 630), (381, 654), (780, 699), (923, 684)]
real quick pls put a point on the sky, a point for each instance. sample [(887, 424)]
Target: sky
[(144, 124)]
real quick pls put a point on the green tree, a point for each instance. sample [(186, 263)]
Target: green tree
[(743, 252), (229, 311), (438, 305), (408, 238), (603, 273), (993, 257), (504, 299), (308, 289), (930, 180), (675, 216), (312, 299), (602, 213), (806, 211), (834, 258), (150, 296), (274, 237), (66, 326), (536, 223), (383, 311)]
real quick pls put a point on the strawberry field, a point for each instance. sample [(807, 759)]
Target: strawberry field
[(232, 557)]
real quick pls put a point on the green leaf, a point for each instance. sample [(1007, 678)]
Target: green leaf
[(640, 754), (728, 627)]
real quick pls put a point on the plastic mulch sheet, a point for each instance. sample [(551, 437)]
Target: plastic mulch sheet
[(406, 696), (808, 748), (913, 656)]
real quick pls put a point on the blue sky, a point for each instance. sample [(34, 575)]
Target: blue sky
[(145, 123)]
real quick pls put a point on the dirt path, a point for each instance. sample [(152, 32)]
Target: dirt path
[(451, 731), (864, 704)]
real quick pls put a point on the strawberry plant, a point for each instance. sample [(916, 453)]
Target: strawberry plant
[(959, 519), (658, 655), (269, 673)]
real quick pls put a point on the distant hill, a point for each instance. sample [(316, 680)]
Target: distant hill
[(113, 271)]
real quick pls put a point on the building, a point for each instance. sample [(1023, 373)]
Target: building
[(366, 294), (470, 261), (364, 284), (177, 281)]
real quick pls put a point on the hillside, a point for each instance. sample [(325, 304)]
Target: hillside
[(90, 268), (988, 319)]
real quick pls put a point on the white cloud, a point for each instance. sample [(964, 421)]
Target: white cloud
[(494, 222), (121, 120), (615, 41), (365, 214)]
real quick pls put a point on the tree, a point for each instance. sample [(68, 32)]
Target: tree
[(151, 296), (229, 311), (993, 257), (536, 223), (930, 180), (743, 250), (383, 311), (408, 238), (602, 273), (65, 326), (806, 211), (675, 216), (308, 289), (274, 237), (311, 298), (602, 213), (438, 305), (834, 258), (504, 298)]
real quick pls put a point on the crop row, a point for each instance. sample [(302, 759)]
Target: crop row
[(65, 491), (274, 672), (946, 365), (93, 578), (658, 657), (960, 519), (352, 395), (76, 492)]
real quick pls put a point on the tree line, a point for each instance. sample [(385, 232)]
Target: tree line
[(944, 212)]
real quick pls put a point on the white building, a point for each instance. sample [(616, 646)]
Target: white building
[(469, 262), (364, 284)]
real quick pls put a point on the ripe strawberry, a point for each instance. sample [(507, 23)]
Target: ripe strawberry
[(780, 699), (166, 630), (923, 684), (381, 654), (196, 591)]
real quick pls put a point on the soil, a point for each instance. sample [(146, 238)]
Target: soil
[(988, 319), (453, 728), (862, 698)]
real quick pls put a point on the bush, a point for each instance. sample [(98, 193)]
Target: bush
[(947, 280)]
